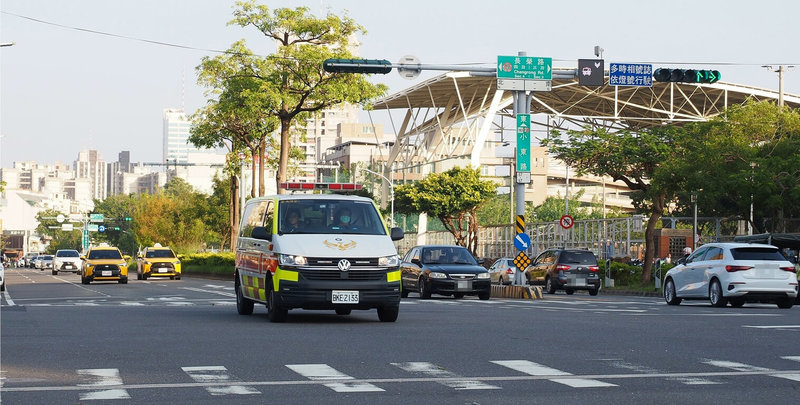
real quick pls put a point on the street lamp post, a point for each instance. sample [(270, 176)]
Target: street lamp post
[(694, 226), (391, 189)]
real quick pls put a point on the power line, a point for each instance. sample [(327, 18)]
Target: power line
[(91, 31)]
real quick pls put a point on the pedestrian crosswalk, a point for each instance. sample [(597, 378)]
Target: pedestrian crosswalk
[(217, 380)]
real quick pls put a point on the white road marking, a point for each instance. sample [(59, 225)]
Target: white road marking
[(218, 374), (531, 368), (772, 326), (9, 301), (618, 363), (103, 377), (748, 368), (319, 372), (432, 370), (227, 294)]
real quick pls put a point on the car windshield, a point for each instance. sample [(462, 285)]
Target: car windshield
[(160, 254), (47, 257), (326, 216), (68, 253), (105, 254), (757, 253), (447, 255), (578, 258)]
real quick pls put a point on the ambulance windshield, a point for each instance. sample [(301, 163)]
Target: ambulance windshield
[(329, 216)]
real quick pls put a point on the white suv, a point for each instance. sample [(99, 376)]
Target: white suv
[(67, 260)]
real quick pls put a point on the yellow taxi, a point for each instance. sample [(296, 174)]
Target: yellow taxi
[(104, 263), (158, 261)]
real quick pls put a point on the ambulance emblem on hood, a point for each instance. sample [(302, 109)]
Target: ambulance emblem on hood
[(339, 244)]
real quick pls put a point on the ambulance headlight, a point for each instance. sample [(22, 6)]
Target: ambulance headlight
[(389, 261), (291, 260)]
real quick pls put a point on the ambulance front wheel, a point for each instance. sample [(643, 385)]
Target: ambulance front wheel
[(243, 305), (388, 313)]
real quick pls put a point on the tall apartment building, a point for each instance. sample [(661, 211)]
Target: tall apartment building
[(176, 146), (90, 165)]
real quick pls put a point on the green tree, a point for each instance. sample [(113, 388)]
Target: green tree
[(453, 197), (51, 229), (293, 78), (747, 154), (217, 216), (115, 209), (553, 208), (631, 157), (495, 211)]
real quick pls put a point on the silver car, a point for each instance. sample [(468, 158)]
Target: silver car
[(735, 273), (503, 271), (44, 262)]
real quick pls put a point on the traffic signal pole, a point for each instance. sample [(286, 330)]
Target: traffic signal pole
[(522, 105)]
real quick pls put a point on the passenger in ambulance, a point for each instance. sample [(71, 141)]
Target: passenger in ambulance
[(342, 219)]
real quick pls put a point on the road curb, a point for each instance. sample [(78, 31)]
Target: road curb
[(517, 291)]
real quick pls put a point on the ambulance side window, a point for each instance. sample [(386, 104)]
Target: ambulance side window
[(269, 217), (253, 217)]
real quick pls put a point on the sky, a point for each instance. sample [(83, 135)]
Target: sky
[(64, 89)]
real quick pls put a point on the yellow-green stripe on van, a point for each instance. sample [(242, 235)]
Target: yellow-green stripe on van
[(281, 274), (393, 276)]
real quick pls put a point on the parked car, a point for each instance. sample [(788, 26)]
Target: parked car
[(67, 260), (44, 262), (503, 271), (565, 269), (444, 270), (735, 273)]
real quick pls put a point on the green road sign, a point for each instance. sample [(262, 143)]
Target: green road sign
[(523, 142), (524, 67), (85, 239), (96, 217)]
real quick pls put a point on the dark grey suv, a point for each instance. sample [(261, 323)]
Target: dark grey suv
[(565, 269)]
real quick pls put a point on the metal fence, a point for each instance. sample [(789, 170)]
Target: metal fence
[(607, 238)]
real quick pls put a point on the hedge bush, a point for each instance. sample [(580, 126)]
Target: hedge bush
[(222, 263)]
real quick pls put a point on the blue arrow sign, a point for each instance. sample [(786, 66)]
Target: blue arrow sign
[(101, 228), (522, 241)]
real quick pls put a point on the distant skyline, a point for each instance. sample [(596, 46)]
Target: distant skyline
[(63, 89)]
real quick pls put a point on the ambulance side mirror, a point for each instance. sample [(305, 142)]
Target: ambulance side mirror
[(260, 232), (397, 233)]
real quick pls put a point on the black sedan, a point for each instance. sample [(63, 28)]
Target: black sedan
[(444, 270)]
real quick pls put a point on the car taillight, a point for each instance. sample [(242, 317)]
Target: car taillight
[(562, 267), (594, 269), (788, 269), (732, 269), (509, 271)]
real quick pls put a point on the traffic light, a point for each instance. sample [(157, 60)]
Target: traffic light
[(686, 75), (116, 228), (128, 219), (377, 66)]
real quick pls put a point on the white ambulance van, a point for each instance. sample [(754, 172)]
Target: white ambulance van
[(318, 252)]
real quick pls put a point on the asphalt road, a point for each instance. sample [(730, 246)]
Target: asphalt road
[(172, 342)]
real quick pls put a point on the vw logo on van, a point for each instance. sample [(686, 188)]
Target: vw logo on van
[(344, 265)]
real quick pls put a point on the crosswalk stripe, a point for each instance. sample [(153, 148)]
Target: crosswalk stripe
[(531, 368), (617, 363), (99, 378), (215, 374), (318, 372), (748, 368), (432, 370)]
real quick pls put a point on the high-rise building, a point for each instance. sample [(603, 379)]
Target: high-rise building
[(90, 165), (176, 146)]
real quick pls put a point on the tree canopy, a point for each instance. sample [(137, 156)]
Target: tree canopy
[(453, 197)]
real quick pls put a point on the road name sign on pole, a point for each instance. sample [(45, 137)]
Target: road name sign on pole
[(85, 239), (523, 144), (96, 217), (524, 67)]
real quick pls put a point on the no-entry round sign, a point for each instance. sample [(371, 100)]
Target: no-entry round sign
[(566, 221)]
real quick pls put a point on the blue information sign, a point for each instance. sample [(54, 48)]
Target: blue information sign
[(522, 241), (101, 228), (630, 74)]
